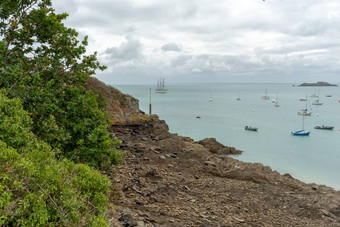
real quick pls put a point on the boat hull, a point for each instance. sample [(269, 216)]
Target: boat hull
[(251, 129), (160, 91), (324, 127), (301, 133), (305, 113)]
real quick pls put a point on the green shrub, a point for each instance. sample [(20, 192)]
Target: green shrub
[(36, 189), (44, 63)]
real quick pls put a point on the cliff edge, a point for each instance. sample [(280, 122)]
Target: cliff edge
[(169, 180)]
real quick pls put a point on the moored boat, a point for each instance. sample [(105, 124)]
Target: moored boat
[(317, 102), (265, 97), (305, 112), (324, 127), (249, 128), (301, 133)]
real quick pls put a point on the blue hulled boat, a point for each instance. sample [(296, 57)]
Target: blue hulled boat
[(301, 133)]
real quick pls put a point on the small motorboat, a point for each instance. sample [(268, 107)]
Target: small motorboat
[(324, 127), (249, 128)]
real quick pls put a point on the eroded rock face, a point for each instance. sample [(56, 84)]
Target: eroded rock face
[(122, 108)]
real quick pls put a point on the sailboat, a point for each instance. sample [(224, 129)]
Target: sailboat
[(265, 97), (317, 102), (210, 96), (302, 132), (315, 95), (161, 86), (305, 111), (277, 101)]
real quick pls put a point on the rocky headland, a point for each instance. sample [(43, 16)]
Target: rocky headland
[(169, 180)]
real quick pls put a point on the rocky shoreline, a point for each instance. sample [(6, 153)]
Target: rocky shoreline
[(169, 180)]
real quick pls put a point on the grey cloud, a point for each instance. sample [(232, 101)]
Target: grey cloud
[(172, 47), (131, 49)]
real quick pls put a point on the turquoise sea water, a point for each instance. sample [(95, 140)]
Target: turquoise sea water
[(312, 159)]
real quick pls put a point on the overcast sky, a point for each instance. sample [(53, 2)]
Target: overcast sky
[(213, 41)]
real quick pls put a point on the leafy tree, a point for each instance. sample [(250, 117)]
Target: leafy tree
[(38, 190), (43, 63)]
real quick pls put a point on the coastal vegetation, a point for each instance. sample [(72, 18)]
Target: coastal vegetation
[(36, 189), (53, 131)]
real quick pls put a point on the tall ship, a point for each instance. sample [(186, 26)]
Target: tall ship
[(161, 86)]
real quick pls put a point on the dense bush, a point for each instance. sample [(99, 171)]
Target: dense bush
[(35, 188), (43, 63)]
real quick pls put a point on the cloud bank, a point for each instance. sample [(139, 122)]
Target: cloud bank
[(210, 41)]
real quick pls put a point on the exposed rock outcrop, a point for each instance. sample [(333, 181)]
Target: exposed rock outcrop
[(217, 148), (169, 180), (123, 109)]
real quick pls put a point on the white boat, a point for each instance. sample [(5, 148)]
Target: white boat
[(317, 102), (315, 95), (302, 99), (277, 101), (211, 99), (161, 86), (265, 97), (305, 111)]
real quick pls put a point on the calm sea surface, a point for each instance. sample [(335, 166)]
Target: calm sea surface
[(312, 159)]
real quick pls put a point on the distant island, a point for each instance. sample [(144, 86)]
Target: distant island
[(319, 83)]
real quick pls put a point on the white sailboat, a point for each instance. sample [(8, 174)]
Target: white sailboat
[(277, 101), (265, 97), (317, 102), (315, 95), (211, 99), (161, 86), (305, 111)]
